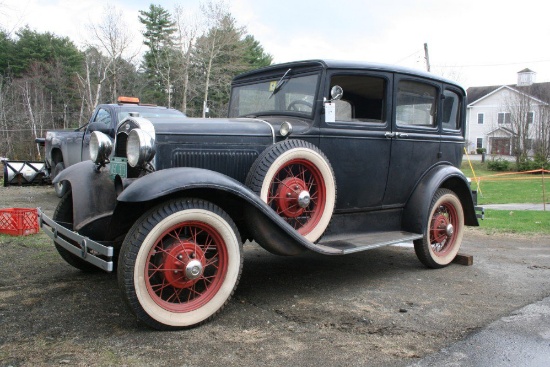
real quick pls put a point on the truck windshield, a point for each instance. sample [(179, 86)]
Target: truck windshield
[(293, 95)]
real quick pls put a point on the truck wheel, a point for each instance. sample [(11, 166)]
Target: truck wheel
[(296, 180), (64, 215), (444, 231), (61, 187), (180, 264)]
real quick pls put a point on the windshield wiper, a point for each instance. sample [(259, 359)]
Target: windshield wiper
[(280, 83)]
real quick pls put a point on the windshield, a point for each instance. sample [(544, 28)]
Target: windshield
[(150, 112), (291, 94)]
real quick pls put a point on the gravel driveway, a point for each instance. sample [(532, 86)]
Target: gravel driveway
[(380, 307)]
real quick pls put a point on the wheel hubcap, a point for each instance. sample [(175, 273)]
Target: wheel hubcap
[(304, 199), (292, 197), (183, 264)]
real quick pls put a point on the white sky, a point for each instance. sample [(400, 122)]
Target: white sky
[(476, 42)]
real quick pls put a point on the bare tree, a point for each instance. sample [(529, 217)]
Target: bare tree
[(542, 133), (112, 37), (221, 41), (188, 28), (520, 104)]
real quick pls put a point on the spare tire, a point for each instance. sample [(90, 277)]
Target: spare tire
[(297, 181)]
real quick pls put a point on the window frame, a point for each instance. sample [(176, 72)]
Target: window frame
[(437, 115), (480, 116)]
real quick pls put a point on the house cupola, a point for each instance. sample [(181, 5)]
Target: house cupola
[(526, 77)]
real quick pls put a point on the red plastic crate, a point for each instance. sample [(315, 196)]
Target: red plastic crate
[(19, 221)]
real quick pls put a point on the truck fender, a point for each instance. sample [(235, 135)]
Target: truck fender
[(94, 198), (417, 208), (220, 189)]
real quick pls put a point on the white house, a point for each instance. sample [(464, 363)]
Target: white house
[(492, 109)]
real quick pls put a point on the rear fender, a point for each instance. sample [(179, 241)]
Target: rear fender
[(416, 211)]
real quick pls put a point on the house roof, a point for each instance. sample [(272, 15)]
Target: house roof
[(539, 91)]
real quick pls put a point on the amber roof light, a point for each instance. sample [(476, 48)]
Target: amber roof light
[(123, 99)]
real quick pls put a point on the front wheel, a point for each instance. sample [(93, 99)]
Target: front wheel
[(180, 264), (444, 232)]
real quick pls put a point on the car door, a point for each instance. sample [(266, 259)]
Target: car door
[(354, 139), (415, 136)]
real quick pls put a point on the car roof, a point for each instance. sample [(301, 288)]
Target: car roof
[(351, 65)]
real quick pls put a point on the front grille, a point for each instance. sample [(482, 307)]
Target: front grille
[(233, 163), (120, 148)]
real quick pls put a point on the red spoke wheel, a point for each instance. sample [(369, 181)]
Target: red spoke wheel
[(295, 179), (444, 231), (180, 264)]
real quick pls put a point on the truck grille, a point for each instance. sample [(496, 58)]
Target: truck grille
[(233, 163)]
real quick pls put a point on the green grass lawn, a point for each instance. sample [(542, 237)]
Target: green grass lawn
[(506, 187), (499, 188), (522, 221)]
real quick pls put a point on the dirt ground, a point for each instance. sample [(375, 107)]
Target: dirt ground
[(380, 307)]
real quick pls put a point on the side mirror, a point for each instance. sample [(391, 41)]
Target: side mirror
[(336, 93)]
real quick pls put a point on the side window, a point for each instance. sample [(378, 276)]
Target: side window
[(101, 122), (416, 104), (103, 117), (451, 110), (363, 99)]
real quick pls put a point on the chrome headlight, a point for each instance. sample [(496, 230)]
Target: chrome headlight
[(286, 128), (140, 148), (101, 147)]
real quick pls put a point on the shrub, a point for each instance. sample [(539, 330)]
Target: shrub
[(498, 164), (533, 164), (481, 150)]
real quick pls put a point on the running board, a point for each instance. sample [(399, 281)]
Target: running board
[(341, 245)]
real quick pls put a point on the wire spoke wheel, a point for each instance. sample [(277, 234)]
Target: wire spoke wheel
[(297, 193), (185, 267), (296, 180), (180, 264), (444, 232)]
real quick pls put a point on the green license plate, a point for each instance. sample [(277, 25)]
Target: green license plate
[(118, 167)]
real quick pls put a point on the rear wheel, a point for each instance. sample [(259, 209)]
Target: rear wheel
[(61, 187), (64, 215), (180, 264), (444, 231)]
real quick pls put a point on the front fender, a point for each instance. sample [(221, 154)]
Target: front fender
[(220, 189), (94, 197), (417, 209)]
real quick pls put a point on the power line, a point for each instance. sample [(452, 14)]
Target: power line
[(491, 65)]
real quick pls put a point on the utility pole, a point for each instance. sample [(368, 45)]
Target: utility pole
[(427, 57)]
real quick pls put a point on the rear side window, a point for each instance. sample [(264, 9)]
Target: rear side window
[(451, 110), (416, 104)]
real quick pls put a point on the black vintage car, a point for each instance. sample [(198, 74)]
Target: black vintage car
[(325, 156)]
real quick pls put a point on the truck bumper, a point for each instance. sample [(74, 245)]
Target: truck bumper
[(93, 252)]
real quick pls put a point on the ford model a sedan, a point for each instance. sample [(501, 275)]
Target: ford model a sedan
[(322, 156)]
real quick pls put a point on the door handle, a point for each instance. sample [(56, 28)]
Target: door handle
[(401, 135), (389, 135)]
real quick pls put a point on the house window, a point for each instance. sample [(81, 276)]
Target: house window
[(530, 117), (480, 118), (503, 118), (479, 143)]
